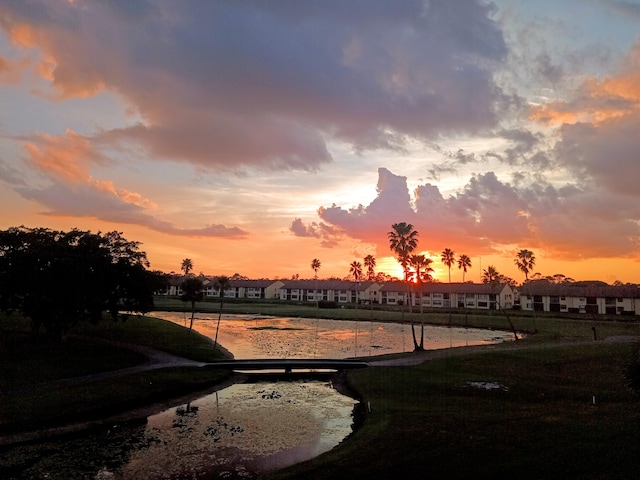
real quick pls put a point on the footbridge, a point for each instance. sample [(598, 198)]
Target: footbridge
[(290, 364)]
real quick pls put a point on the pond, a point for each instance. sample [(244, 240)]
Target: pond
[(247, 336), (238, 432)]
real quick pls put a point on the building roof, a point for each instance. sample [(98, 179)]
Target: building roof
[(579, 289), (325, 285)]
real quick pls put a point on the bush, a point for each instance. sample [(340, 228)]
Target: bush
[(327, 304)]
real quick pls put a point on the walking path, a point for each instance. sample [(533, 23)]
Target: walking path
[(159, 359)]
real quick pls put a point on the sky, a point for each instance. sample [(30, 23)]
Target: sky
[(253, 136)]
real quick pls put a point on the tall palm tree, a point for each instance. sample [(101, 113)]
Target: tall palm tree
[(186, 266), (315, 266), (422, 266), (403, 240), (355, 270), (490, 275), (448, 258), (464, 262), (370, 264), (222, 283), (192, 291), (525, 261)]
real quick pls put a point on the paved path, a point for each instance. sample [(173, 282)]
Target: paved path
[(158, 359)]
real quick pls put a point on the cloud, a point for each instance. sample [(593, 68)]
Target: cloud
[(85, 200), (489, 215), (328, 235), (229, 85), (598, 140), (70, 190), (65, 156)]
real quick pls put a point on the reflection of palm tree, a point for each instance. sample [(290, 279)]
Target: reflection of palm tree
[(222, 283), (464, 262), (192, 291), (403, 240), (315, 266), (525, 261)]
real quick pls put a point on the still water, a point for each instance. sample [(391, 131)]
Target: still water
[(244, 429), (247, 336)]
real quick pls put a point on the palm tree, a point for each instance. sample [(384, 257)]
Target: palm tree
[(315, 266), (186, 266), (422, 267), (192, 291), (355, 270), (464, 262), (222, 283), (490, 275), (403, 240), (448, 258), (370, 263), (525, 261)]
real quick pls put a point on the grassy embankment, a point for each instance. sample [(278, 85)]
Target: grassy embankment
[(27, 364)]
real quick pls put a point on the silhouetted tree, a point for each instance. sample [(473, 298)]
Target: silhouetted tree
[(448, 258), (525, 261), (422, 266), (355, 270), (490, 275), (370, 264), (222, 283), (59, 278), (403, 240), (192, 291), (315, 266), (464, 262), (186, 266)]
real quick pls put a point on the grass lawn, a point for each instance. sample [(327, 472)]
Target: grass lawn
[(430, 422), (26, 361)]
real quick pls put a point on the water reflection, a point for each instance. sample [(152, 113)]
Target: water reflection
[(241, 430), (238, 432), (249, 336)]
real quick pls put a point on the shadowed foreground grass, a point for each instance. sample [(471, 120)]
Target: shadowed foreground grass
[(27, 362), (540, 422)]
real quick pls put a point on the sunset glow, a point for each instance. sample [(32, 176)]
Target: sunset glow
[(312, 128)]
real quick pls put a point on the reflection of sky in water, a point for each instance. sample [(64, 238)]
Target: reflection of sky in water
[(273, 337), (243, 429)]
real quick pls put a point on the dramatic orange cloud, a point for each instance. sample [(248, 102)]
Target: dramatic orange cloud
[(67, 157)]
